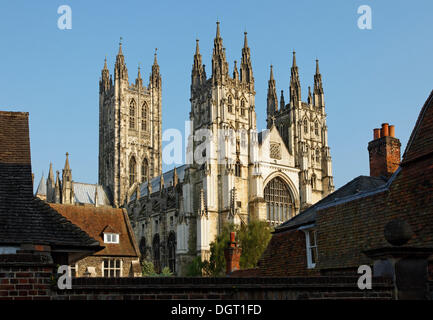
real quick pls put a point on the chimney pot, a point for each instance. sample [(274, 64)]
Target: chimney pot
[(385, 130), (376, 134), (392, 131)]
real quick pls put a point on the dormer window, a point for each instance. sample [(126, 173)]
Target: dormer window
[(111, 238)]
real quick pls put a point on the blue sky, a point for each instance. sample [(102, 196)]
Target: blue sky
[(370, 76)]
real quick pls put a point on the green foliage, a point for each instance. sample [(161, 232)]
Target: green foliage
[(252, 238), (148, 270)]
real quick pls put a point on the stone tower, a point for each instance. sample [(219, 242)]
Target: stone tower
[(217, 188), (67, 190), (302, 126), (129, 129)]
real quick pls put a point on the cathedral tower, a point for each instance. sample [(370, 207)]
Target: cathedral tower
[(129, 129), (224, 106), (302, 126)]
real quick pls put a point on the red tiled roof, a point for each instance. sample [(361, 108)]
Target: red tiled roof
[(94, 220)]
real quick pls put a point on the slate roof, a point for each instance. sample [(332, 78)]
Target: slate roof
[(23, 218), (357, 186), (155, 182), (85, 193), (97, 220)]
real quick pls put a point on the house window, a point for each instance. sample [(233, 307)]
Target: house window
[(111, 238), (132, 115), (311, 245), (279, 202), (112, 268)]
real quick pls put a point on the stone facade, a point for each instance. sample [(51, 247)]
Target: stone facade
[(129, 129), (233, 173)]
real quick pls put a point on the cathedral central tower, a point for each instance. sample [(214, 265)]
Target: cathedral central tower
[(129, 129)]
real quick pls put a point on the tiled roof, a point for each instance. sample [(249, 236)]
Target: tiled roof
[(23, 218), (96, 220), (85, 193), (421, 140), (357, 186)]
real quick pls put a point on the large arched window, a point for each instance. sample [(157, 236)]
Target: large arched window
[(144, 117), (132, 171), (142, 247), (144, 169), (156, 253), (171, 244), (279, 203), (132, 115)]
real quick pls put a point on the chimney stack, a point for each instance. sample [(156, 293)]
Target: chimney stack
[(232, 255), (384, 151)]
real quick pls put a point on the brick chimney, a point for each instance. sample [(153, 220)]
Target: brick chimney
[(384, 151), (232, 255)]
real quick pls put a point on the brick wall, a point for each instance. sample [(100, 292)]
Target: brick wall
[(286, 256), (25, 277), (29, 276)]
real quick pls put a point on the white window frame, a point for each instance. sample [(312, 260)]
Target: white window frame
[(111, 238), (111, 268), (309, 247)]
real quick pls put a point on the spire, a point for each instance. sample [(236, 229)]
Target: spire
[(235, 71), (295, 84), (104, 83), (282, 102), (218, 35), (198, 75), (319, 100), (67, 167), (155, 77), (139, 81), (42, 187), (120, 67), (219, 64), (310, 98), (272, 100), (57, 195), (246, 66), (51, 175)]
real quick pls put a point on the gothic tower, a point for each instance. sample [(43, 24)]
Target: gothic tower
[(302, 126), (223, 106), (67, 190), (129, 129)]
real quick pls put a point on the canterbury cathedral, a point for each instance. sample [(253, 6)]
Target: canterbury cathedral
[(233, 173)]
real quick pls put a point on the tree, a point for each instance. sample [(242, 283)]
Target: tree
[(253, 238), (148, 270)]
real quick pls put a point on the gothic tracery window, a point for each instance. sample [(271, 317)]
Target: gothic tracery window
[(171, 244), (132, 115), (238, 168), (144, 170), (305, 126), (279, 203), (156, 254), (132, 171), (144, 117), (316, 128)]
